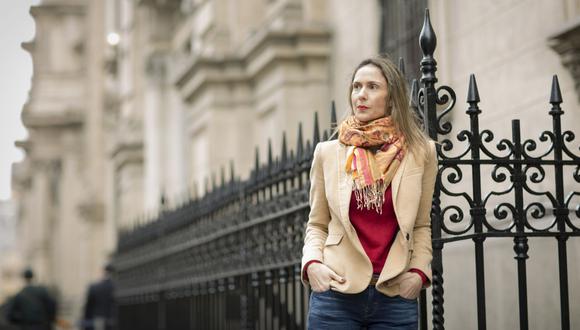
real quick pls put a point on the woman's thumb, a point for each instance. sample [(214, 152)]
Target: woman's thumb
[(336, 277)]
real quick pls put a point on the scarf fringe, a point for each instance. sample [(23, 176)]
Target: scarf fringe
[(371, 196)]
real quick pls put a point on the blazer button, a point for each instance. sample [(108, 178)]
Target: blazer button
[(407, 236)]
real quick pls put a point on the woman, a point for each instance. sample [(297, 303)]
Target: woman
[(367, 248)]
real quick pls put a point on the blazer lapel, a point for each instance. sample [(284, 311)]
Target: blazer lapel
[(344, 185), (396, 182)]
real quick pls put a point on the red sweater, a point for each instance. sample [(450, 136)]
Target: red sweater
[(376, 232)]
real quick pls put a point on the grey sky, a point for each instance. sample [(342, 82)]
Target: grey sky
[(16, 26)]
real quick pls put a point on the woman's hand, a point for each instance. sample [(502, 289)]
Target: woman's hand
[(410, 285), (319, 276)]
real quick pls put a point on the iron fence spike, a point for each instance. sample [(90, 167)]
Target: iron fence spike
[(556, 94), (333, 120), (427, 38), (473, 92), (316, 137), (257, 162), (284, 148), (299, 142), (402, 65), (270, 157), (414, 91)]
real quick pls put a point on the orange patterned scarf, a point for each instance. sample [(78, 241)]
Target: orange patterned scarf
[(372, 163)]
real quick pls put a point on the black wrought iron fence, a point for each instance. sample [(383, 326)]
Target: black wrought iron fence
[(230, 260)]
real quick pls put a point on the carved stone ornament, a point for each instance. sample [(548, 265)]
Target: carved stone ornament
[(566, 43)]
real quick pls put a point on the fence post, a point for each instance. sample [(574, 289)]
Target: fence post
[(428, 103), (561, 209)]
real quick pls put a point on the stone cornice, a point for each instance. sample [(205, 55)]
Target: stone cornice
[(23, 144), (276, 45), (566, 42), (127, 153), (206, 71), (256, 56), (58, 9), (28, 45), (160, 4), (62, 120), (566, 36)]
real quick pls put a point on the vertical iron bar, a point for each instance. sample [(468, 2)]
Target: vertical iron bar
[(255, 301), (299, 299), (262, 301), (283, 306), (194, 307), (292, 299), (221, 303), (423, 310), (477, 209), (560, 210), (428, 42), (269, 301), (520, 239), (212, 305), (161, 311)]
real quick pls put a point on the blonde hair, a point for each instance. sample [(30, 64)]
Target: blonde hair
[(404, 118)]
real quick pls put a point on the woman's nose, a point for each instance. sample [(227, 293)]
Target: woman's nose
[(362, 94)]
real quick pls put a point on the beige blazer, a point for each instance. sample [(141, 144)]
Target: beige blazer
[(331, 238)]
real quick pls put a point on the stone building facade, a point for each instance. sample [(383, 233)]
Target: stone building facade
[(59, 185), (10, 261), (136, 103)]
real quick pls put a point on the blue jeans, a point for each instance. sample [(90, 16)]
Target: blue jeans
[(369, 309)]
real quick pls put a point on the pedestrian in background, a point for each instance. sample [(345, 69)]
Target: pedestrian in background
[(99, 309), (367, 248), (33, 307)]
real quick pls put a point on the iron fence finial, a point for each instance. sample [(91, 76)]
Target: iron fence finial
[(333, 121), (284, 148), (556, 94), (270, 156), (316, 137), (402, 65), (427, 38), (299, 142), (473, 92), (428, 42), (256, 164)]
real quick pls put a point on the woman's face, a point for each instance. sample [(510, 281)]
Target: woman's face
[(369, 94)]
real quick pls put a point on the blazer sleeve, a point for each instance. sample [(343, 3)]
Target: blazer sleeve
[(422, 249), (319, 216)]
